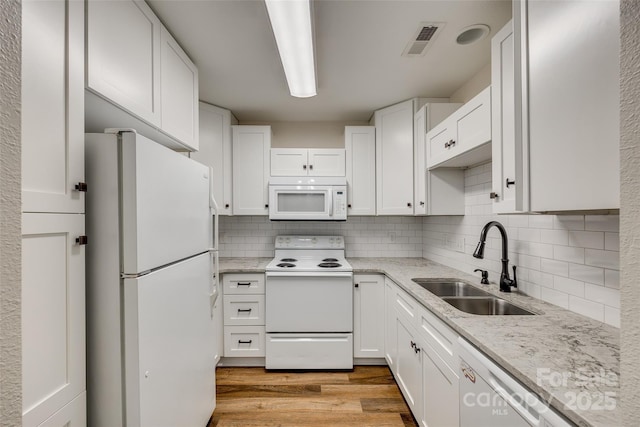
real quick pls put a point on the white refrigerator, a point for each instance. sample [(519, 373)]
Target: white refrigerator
[(151, 284)]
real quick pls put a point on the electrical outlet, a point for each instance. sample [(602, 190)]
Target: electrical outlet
[(392, 236), (454, 243)]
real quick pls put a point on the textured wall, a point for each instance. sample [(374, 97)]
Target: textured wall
[(10, 265), (570, 260), (630, 207), (253, 236)]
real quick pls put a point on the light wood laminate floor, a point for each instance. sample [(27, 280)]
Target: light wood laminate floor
[(254, 397)]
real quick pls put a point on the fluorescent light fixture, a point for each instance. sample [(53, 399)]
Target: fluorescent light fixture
[(291, 24)]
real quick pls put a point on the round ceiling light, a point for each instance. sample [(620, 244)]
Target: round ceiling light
[(472, 34)]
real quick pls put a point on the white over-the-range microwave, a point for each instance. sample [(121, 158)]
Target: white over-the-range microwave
[(307, 198)]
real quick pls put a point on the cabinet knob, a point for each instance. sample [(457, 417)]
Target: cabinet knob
[(452, 143), (421, 203), (446, 145), (304, 167), (413, 345), (311, 167), (226, 206), (509, 182), (493, 195), (409, 204), (81, 240), (266, 206), (81, 186), (349, 205), (357, 285)]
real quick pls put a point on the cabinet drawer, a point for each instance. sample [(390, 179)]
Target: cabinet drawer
[(243, 283), (244, 341), (473, 126), (440, 337), (405, 305), (244, 310), (438, 142)]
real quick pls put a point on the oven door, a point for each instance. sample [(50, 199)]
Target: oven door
[(309, 302), (290, 202)]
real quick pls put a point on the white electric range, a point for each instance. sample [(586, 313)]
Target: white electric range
[(309, 304)]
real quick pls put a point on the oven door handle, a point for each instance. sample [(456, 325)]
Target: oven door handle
[(310, 274)]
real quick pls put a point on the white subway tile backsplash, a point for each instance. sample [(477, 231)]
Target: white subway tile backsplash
[(529, 234), (612, 279), (555, 237), (587, 273), (612, 241), (541, 221), (586, 307), (568, 222), (569, 254), (606, 259), (612, 316), (555, 267), (602, 223), (569, 286), (606, 296), (586, 239), (554, 297)]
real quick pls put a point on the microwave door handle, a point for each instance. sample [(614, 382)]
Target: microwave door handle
[(330, 195)]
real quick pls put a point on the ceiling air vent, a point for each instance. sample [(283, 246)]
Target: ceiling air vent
[(423, 38)]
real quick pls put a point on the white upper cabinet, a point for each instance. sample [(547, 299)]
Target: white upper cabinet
[(570, 99), (215, 151), (138, 76), (307, 162), (394, 159), (437, 192), (123, 55), (178, 92), (464, 138), (251, 146), (52, 106), (360, 144)]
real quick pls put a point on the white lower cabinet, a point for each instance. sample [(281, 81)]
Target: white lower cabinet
[(74, 414), (244, 330), (368, 324), (424, 356), (53, 314)]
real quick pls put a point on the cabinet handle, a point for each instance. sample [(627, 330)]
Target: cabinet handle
[(413, 345), (81, 186), (244, 284), (304, 167), (510, 182), (81, 240), (244, 310), (416, 349), (493, 195), (446, 145), (421, 203), (245, 342), (452, 143)]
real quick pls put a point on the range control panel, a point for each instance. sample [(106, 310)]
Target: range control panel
[(309, 242)]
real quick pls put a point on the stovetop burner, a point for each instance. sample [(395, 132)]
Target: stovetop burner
[(329, 260), (285, 265), (288, 260), (329, 265)]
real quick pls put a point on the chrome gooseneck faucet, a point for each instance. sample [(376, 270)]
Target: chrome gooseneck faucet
[(505, 281)]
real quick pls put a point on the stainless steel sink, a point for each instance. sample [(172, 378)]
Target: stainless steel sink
[(488, 306), (450, 288)]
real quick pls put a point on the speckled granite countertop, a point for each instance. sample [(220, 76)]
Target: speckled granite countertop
[(569, 360)]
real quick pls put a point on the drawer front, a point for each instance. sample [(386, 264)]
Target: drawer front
[(438, 143), (244, 310), (405, 305), (473, 125), (243, 283), (442, 339), (244, 341), (309, 351)]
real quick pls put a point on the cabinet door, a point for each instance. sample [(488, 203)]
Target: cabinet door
[(215, 151), (507, 160), (573, 101), (409, 366), (74, 414), (289, 162), (394, 159), (178, 92), (123, 56), (439, 142), (390, 341), (326, 162), (52, 105), (440, 386), (53, 314), (360, 144), (251, 146), (368, 326), (419, 161)]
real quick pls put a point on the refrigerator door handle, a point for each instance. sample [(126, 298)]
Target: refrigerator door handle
[(214, 209), (214, 289)]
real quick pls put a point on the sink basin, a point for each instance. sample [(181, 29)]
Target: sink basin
[(488, 306), (450, 288)]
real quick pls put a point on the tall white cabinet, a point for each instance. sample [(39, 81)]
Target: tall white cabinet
[(251, 168), (215, 151), (53, 254), (360, 145)]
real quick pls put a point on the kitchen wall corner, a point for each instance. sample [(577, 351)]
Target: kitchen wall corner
[(572, 261)]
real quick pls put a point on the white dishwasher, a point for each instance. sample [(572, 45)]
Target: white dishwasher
[(489, 397)]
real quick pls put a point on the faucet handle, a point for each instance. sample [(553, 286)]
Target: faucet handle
[(515, 280), (485, 276)]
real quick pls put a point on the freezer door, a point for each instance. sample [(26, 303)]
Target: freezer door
[(165, 205), (169, 346)]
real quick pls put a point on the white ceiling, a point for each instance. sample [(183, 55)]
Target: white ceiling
[(358, 54)]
